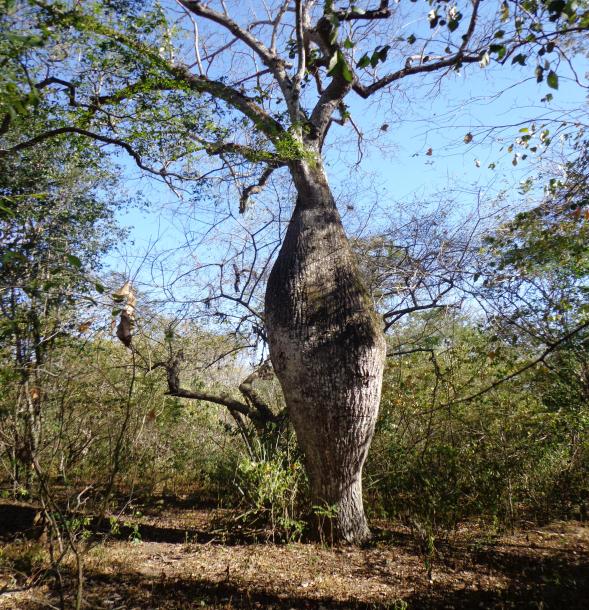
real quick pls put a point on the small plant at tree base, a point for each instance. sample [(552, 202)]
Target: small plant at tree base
[(135, 535), (115, 526), (426, 539), (270, 488), (324, 517)]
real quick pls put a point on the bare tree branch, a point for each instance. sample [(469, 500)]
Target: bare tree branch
[(471, 25), (270, 59), (454, 60), (394, 316), (195, 33), (254, 188), (300, 45)]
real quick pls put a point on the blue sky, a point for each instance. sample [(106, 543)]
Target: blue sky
[(396, 167)]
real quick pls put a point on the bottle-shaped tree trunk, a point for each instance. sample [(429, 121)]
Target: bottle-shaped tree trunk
[(328, 350)]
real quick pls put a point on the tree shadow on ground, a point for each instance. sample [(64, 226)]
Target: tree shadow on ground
[(134, 591), (539, 576), (25, 522), (547, 583), (534, 582), (467, 575)]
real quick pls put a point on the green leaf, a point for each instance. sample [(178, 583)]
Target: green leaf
[(74, 260), (348, 44), (411, 39), (332, 63), (552, 79), (346, 72), (339, 65), (364, 61), (382, 53), (99, 288), (379, 55), (5, 209)]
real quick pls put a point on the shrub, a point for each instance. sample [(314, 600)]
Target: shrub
[(272, 486)]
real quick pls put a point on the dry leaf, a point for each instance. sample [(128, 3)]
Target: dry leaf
[(127, 294)]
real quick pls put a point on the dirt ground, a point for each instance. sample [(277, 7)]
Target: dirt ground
[(178, 558)]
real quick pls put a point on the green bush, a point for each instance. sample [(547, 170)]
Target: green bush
[(272, 485), (518, 452)]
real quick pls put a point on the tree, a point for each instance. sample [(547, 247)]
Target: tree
[(535, 265), (536, 269), (326, 340), (54, 228)]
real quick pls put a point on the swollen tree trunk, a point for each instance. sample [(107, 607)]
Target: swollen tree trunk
[(328, 350)]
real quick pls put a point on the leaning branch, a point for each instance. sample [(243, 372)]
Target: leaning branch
[(301, 53), (253, 189), (408, 352), (254, 407), (249, 154), (180, 75), (246, 387), (471, 25), (458, 58), (52, 133), (328, 103), (392, 317), (454, 60), (223, 399)]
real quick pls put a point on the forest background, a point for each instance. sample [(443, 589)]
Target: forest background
[(479, 272)]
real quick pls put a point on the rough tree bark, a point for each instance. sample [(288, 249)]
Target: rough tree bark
[(327, 349)]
